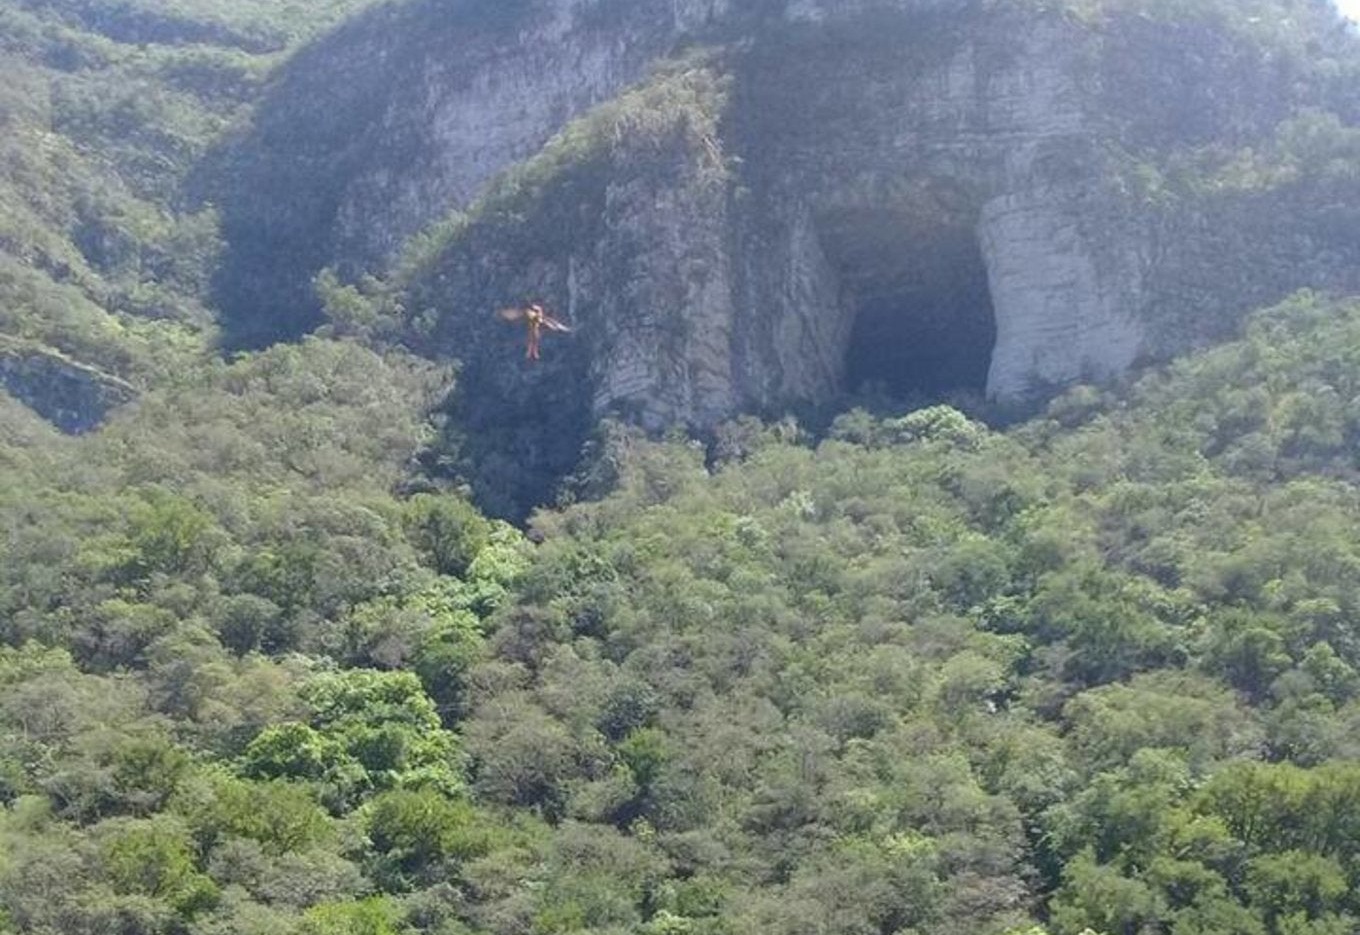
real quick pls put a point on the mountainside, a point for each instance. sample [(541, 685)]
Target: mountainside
[(943, 518), (800, 201), (105, 265)]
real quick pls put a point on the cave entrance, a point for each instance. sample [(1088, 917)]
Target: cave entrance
[(915, 285)]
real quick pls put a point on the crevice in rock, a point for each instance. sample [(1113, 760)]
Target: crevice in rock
[(915, 285)]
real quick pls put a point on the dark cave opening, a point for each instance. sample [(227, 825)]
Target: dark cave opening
[(924, 328)]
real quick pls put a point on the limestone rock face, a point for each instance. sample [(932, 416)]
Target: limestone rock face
[(901, 192), (405, 114), (1062, 312), (484, 102)]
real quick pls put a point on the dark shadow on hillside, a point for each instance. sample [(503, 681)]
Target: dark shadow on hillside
[(326, 120)]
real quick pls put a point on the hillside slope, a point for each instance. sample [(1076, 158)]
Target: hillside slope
[(267, 667), (105, 110), (1099, 670)]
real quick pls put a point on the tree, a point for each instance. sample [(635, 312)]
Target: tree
[(154, 858), (416, 830), (280, 816), (447, 530), (375, 916)]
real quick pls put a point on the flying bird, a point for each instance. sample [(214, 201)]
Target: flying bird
[(535, 319)]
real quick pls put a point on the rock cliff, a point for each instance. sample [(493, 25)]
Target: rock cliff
[(753, 206), (73, 396)]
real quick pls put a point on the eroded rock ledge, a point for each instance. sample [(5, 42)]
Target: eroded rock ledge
[(73, 396)]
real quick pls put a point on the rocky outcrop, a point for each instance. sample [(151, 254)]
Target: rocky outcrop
[(74, 397), (401, 115), (732, 279), (832, 194)]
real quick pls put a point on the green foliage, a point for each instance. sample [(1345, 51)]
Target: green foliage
[(279, 816), (368, 731), (108, 108), (449, 532), (375, 916), (152, 858), (367, 311), (148, 771), (1099, 670), (870, 683), (414, 832)]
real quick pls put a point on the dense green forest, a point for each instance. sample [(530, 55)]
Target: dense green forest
[(917, 675), (902, 673)]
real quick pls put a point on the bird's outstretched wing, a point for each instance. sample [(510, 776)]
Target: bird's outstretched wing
[(552, 324), (511, 314)]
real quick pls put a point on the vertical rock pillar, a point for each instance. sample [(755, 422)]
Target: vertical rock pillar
[(1065, 285)]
